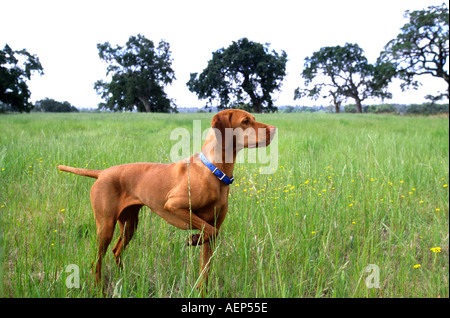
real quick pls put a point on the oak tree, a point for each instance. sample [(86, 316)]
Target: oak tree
[(139, 71), (16, 67), (244, 72), (344, 72), (422, 46)]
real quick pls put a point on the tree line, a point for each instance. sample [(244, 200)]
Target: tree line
[(428, 108), (246, 74)]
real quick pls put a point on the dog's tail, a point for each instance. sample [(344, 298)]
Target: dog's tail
[(82, 172)]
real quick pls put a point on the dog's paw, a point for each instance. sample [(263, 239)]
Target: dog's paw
[(193, 240)]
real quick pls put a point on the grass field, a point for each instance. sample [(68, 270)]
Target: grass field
[(349, 191)]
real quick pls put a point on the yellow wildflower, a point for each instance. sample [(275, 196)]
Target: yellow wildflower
[(435, 249)]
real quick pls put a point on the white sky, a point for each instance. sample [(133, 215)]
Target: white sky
[(64, 35)]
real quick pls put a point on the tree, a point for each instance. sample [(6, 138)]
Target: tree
[(422, 47), (139, 73), (16, 67), (346, 72), (51, 105), (314, 93), (244, 67)]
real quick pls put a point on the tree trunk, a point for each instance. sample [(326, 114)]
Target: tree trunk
[(145, 103), (257, 106), (337, 103), (358, 105), (337, 107)]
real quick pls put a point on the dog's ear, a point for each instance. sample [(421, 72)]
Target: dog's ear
[(220, 122)]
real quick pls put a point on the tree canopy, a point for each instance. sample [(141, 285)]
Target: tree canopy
[(344, 72), (244, 72), (422, 47), (139, 72), (16, 67), (53, 106)]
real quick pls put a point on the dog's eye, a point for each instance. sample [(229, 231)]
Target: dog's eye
[(245, 121)]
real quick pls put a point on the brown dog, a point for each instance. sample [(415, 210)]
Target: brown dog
[(186, 194)]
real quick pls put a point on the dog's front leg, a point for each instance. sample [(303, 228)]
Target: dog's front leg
[(205, 263), (187, 220)]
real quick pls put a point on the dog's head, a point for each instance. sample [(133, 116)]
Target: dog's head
[(237, 129)]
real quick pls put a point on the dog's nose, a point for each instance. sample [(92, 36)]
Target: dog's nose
[(272, 129)]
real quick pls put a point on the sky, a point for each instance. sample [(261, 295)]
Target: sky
[(64, 35)]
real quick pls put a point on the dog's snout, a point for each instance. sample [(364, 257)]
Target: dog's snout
[(272, 129)]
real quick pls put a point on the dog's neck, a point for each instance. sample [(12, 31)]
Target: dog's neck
[(217, 155)]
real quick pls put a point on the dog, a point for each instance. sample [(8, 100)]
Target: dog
[(189, 194)]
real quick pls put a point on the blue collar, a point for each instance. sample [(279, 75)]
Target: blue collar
[(219, 174)]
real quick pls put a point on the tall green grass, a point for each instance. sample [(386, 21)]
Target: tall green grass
[(349, 191)]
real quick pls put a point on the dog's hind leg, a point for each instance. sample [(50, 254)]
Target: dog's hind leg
[(128, 222), (104, 236), (105, 206)]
